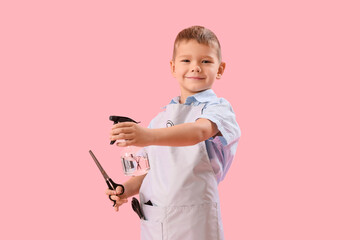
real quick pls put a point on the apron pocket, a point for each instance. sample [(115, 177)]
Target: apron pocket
[(151, 230), (198, 222), (152, 227)]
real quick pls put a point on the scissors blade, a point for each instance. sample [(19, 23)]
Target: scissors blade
[(99, 166)]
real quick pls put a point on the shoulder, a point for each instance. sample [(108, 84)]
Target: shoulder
[(209, 99), (162, 112), (220, 112), (218, 104), (157, 116)]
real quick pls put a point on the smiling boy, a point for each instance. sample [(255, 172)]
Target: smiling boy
[(190, 156), (196, 66)]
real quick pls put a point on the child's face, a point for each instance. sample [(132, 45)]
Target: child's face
[(196, 66)]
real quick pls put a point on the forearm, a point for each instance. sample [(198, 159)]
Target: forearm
[(132, 186), (185, 134)]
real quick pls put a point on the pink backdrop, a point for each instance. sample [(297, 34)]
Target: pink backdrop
[(292, 77)]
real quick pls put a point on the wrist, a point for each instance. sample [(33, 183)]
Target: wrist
[(152, 137)]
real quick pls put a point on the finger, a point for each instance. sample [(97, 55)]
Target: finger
[(125, 136), (126, 143), (119, 203), (110, 192), (117, 137), (123, 124), (118, 190), (121, 144), (117, 131), (114, 197)]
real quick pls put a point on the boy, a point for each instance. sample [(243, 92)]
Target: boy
[(190, 146)]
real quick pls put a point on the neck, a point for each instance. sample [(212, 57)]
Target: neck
[(183, 98)]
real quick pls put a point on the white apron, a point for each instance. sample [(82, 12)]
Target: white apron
[(181, 185)]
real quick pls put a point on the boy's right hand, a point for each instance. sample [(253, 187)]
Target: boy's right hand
[(115, 195)]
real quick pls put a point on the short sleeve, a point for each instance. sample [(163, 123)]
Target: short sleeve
[(222, 114)]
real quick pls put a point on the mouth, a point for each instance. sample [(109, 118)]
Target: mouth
[(195, 78)]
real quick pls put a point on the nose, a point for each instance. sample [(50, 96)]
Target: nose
[(196, 68)]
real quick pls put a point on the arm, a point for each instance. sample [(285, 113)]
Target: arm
[(185, 134), (132, 186)]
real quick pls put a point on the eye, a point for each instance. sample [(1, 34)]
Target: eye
[(206, 61), (184, 60)]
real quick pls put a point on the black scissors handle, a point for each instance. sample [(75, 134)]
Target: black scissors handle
[(112, 186)]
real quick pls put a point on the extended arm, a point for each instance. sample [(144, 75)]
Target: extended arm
[(185, 134)]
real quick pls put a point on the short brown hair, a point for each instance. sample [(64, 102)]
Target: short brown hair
[(201, 34)]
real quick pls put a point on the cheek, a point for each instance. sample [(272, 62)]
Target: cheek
[(178, 74), (180, 71), (210, 71)]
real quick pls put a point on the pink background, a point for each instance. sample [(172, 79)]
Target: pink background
[(292, 77)]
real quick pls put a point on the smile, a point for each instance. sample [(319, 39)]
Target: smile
[(195, 78)]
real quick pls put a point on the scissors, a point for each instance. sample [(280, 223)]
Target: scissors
[(111, 184)]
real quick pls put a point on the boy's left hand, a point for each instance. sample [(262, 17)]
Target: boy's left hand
[(132, 133)]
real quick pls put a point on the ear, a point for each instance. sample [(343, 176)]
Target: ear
[(221, 70), (172, 67)]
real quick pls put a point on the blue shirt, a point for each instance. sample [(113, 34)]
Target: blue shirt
[(221, 149)]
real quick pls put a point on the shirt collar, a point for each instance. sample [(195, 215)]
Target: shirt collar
[(204, 96)]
